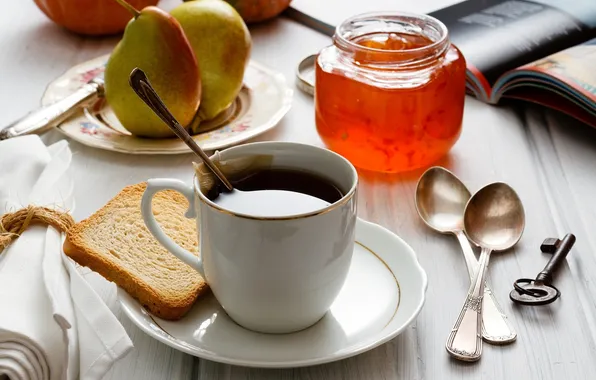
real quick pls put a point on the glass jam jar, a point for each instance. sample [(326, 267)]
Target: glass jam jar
[(389, 93)]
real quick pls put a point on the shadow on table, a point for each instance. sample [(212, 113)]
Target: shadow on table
[(409, 176), (386, 361)]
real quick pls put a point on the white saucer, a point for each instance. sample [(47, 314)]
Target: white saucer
[(384, 292)]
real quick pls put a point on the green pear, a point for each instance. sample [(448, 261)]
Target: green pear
[(154, 42), (222, 44)]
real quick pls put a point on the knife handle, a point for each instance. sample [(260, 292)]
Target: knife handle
[(45, 118)]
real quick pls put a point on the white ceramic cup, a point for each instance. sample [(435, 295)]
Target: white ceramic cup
[(279, 274)]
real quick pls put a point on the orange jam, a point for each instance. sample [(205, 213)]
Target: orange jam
[(390, 100)]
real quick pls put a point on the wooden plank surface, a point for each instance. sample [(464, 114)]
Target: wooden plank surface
[(547, 157)]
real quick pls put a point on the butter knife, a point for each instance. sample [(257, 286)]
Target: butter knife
[(52, 115)]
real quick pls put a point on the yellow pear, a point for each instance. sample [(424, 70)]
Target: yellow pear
[(222, 44), (154, 42)]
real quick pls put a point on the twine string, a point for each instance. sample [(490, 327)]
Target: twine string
[(12, 225)]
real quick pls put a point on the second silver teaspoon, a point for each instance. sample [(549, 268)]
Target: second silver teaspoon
[(440, 201), (494, 220)]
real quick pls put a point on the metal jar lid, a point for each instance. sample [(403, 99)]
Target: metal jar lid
[(305, 74)]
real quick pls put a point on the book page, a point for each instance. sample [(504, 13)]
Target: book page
[(497, 36), (575, 66)]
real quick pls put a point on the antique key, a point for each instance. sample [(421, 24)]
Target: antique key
[(541, 291)]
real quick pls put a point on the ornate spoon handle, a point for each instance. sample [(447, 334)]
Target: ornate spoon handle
[(465, 339), (496, 328), (141, 86)]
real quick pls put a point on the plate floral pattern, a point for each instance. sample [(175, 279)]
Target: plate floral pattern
[(264, 99)]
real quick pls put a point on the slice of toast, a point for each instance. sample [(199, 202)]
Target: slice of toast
[(115, 242)]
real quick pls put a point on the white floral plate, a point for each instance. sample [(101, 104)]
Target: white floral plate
[(264, 99), (384, 292)]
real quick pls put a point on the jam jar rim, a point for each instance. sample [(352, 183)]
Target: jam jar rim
[(438, 46)]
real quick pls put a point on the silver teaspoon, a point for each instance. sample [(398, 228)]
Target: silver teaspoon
[(494, 220), (440, 201), (141, 86)]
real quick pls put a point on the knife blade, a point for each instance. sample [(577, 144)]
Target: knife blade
[(47, 117)]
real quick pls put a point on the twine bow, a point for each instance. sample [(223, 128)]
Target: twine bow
[(12, 225)]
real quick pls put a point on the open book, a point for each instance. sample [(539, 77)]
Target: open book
[(543, 51)]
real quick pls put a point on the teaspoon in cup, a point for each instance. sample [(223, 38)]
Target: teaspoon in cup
[(441, 199), (140, 84), (494, 220)]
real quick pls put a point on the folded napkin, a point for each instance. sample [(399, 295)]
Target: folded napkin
[(52, 324)]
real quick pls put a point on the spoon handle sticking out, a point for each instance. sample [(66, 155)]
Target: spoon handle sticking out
[(465, 339), (496, 328), (141, 86)]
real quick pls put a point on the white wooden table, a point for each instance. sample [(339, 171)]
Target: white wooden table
[(547, 157)]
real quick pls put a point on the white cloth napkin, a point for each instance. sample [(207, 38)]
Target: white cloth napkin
[(52, 324)]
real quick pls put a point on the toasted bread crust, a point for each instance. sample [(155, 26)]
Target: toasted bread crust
[(76, 248)]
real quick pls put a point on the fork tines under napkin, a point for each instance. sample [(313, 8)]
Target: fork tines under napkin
[(52, 324)]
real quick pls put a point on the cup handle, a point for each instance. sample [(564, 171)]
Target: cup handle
[(158, 184)]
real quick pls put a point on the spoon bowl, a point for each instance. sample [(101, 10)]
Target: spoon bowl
[(494, 217), (441, 199)]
